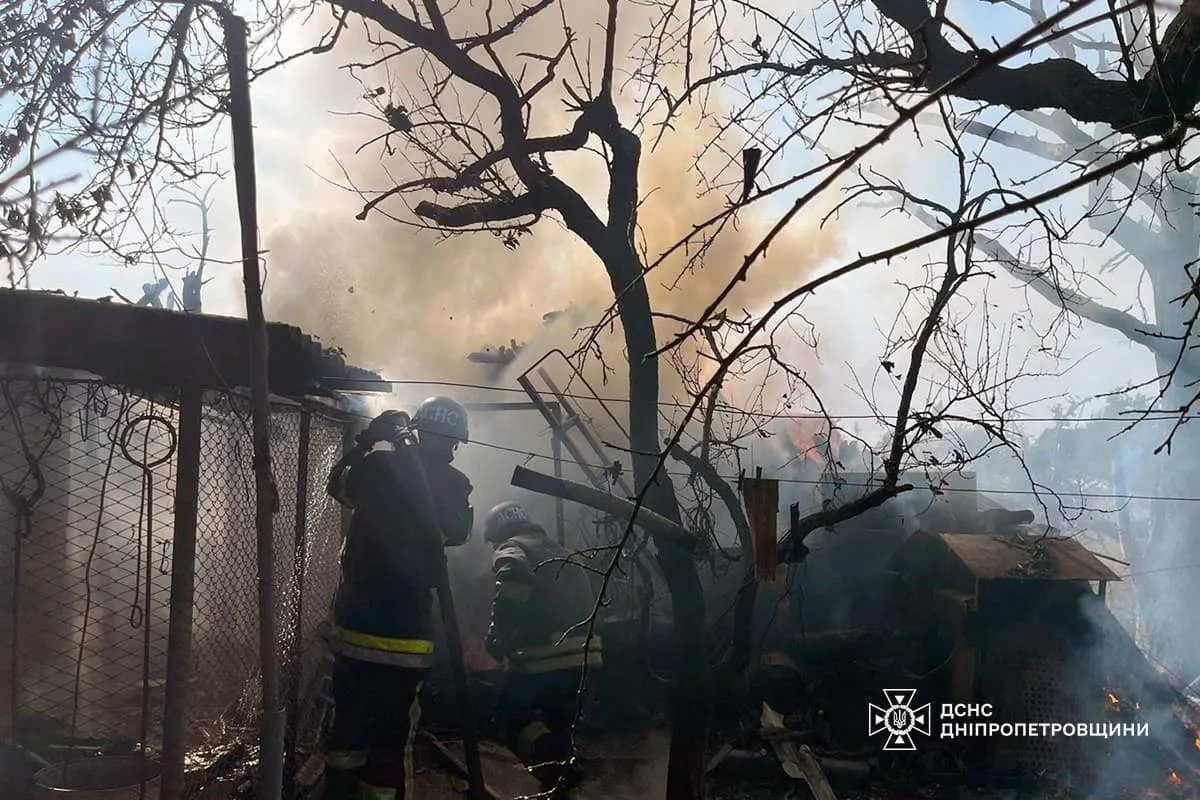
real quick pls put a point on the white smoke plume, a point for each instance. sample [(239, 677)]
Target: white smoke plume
[(412, 304)]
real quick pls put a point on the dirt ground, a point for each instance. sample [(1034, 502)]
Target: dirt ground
[(631, 769), (634, 768)]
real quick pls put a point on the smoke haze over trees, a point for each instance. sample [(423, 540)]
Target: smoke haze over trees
[(503, 166), (1089, 96)]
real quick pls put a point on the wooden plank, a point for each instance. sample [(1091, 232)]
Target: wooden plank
[(798, 760), (761, 497), (452, 759)]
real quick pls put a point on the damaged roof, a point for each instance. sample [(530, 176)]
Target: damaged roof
[(1025, 557), (989, 557), (152, 348)]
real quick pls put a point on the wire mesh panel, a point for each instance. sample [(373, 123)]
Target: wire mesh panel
[(226, 645), (225, 621), (323, 540), (88, 476), (318, 556)]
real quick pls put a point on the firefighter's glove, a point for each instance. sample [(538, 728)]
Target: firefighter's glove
[(387, 427), (373, 435)]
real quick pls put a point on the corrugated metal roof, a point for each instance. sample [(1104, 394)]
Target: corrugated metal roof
[(1026, 557)]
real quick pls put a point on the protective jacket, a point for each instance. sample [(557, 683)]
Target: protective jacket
[(392, 555), (535, 605)]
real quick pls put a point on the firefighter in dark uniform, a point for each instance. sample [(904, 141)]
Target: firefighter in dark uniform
[(408, 503), (539, 614)]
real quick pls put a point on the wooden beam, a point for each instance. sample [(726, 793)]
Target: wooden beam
[(649, 521)]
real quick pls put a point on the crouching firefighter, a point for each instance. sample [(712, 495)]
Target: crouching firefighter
[(408, 502), (539, 611)]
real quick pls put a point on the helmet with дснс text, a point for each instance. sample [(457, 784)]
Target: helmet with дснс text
[(504, 520), (442, 416)]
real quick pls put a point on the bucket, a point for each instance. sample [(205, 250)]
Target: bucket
[(98, 778)]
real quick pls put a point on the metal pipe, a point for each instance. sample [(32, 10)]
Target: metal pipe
[(13, 723), (183, 592), (592, 395), (584, 431), (593, 477), (560, 524), (504, 405), (299, 565)]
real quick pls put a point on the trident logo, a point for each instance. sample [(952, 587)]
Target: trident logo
[(898, 720)]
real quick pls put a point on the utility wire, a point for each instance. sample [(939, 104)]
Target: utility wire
[(1132, 416), (528, 454)]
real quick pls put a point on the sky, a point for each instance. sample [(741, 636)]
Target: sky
[(296, 127)]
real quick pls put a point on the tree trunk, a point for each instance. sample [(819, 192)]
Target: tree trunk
[(1167, 592), (689, 734)]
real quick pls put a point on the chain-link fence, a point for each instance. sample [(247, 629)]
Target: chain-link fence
[(88, 476)]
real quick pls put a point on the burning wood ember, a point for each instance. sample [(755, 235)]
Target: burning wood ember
[(1123, 707), (1173, 788)]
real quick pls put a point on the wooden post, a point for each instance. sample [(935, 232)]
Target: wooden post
[(183, 592), (270, 786)]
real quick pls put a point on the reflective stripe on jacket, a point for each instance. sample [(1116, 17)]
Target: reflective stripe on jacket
[(568, 654), (416, 653), (392, 555)]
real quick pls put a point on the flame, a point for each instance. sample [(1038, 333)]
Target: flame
[(1113, 700), (1174, 780), (1197, 742), (809, 435)]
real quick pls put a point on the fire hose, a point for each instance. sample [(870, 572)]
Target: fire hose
[(458, 665)]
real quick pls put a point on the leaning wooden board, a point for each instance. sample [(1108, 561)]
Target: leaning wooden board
[(797, 760)]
